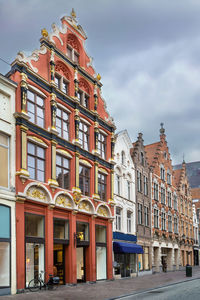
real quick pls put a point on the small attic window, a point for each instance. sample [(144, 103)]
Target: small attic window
[(72, 54)]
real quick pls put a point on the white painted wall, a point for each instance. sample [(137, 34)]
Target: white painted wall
[(7, 195), (126, 172)]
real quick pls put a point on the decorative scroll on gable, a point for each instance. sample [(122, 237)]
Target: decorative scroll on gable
[(21, 56)]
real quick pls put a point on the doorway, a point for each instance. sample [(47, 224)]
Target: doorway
[(58, 255), (80, 264)]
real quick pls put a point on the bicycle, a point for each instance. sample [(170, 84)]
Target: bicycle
[(37, 284)]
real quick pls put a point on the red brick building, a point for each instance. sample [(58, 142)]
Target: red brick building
[(64, 151), (185, 216), (165, 231)]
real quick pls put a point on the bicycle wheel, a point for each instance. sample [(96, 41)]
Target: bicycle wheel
[(34, 285)]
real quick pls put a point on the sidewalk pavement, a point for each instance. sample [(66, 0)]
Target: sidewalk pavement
[(109, 289)]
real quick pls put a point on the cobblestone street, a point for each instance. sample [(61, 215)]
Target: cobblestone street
[(110, 289)]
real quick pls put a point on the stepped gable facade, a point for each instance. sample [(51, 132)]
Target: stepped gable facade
[(65, 151), (185, 216), (165, 232), (143, 205)]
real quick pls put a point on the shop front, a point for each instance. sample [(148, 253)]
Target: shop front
[(126, 253), (5, 250)]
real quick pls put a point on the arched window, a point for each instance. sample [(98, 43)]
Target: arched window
[(129, 221), (73, 48), (118, 218), (84, 93), (117, 182), (62, 77)]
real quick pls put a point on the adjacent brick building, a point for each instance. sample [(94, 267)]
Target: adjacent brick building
[(185, 216), (143, 205), (165, 232), (64, 150)]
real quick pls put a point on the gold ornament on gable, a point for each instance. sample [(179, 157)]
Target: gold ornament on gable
[(61, 200)]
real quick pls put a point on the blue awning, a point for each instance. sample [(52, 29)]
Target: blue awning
[(120, 247)]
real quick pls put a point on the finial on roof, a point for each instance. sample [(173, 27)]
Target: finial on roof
[(140, 136), (98, 77), (183, 158), (73, 14), (44, 32), (162, 129)]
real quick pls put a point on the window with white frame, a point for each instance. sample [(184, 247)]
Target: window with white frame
[(4, 160), (169, 198), (163, 221), (83, 98), (145, 185), (62, 83), (118, 218), (72, 54), (162, 195), (35, 108), (146, 216), (155, 189), (117, 182), (129, 221), (156, 218), (168, 178), (175, 202), (84, 135), (62, 123), (139, 213), (36, 161), (102, 145), (169, 223), (128, 190), (175, 224), (162, 173)]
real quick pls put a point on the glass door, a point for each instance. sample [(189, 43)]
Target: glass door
[(58, 266), (80, 264)]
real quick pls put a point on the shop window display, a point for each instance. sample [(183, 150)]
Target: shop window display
[(34, 232), (101, 252), (4, 246)]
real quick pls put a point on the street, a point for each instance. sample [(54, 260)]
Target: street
[(186, 290), (170, 285)]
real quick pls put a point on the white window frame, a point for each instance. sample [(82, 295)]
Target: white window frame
[(7, 147)]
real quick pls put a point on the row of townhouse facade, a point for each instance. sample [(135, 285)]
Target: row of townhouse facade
[(76, 200), (163, 216)]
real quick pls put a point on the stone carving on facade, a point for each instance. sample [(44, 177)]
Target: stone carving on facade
[(36, 193), (85, 205), (103, 211), (61, 67), (84, 86), (63, 201), (21, 56)]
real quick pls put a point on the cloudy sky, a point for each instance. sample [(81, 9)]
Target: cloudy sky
[(147, 52)]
